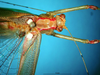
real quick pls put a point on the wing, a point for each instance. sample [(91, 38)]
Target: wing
[(9, 55), (11, 50), (12, 58), (7, 15), (11, 20), (29, 55), (15, 13)]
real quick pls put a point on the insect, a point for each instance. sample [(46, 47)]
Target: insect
[(20, 36)]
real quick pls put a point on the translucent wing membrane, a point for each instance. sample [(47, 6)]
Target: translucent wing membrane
[(9, 56), (12, 45), (29, 59), (5, 34), (12, 62)]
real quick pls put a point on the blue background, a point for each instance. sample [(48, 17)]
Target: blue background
[(62, 56)]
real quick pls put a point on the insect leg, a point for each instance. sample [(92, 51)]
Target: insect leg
[(73, 9), (75, 39)]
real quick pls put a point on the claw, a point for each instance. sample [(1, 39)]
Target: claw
[(93, 41), (93, 7)]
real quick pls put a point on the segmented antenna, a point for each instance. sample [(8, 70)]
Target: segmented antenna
[(23, 6)]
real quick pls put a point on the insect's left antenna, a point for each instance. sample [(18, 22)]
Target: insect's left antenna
[(23, 6)]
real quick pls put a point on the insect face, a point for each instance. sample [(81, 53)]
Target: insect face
[(60, 22)]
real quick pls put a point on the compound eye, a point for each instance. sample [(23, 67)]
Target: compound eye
[(59, 28), (62, 15)]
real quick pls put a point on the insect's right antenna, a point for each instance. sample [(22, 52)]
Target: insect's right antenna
[(23, 6), (78, 50)]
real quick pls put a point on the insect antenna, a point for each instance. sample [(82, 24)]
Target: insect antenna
[(78, 50), (23, 6)]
